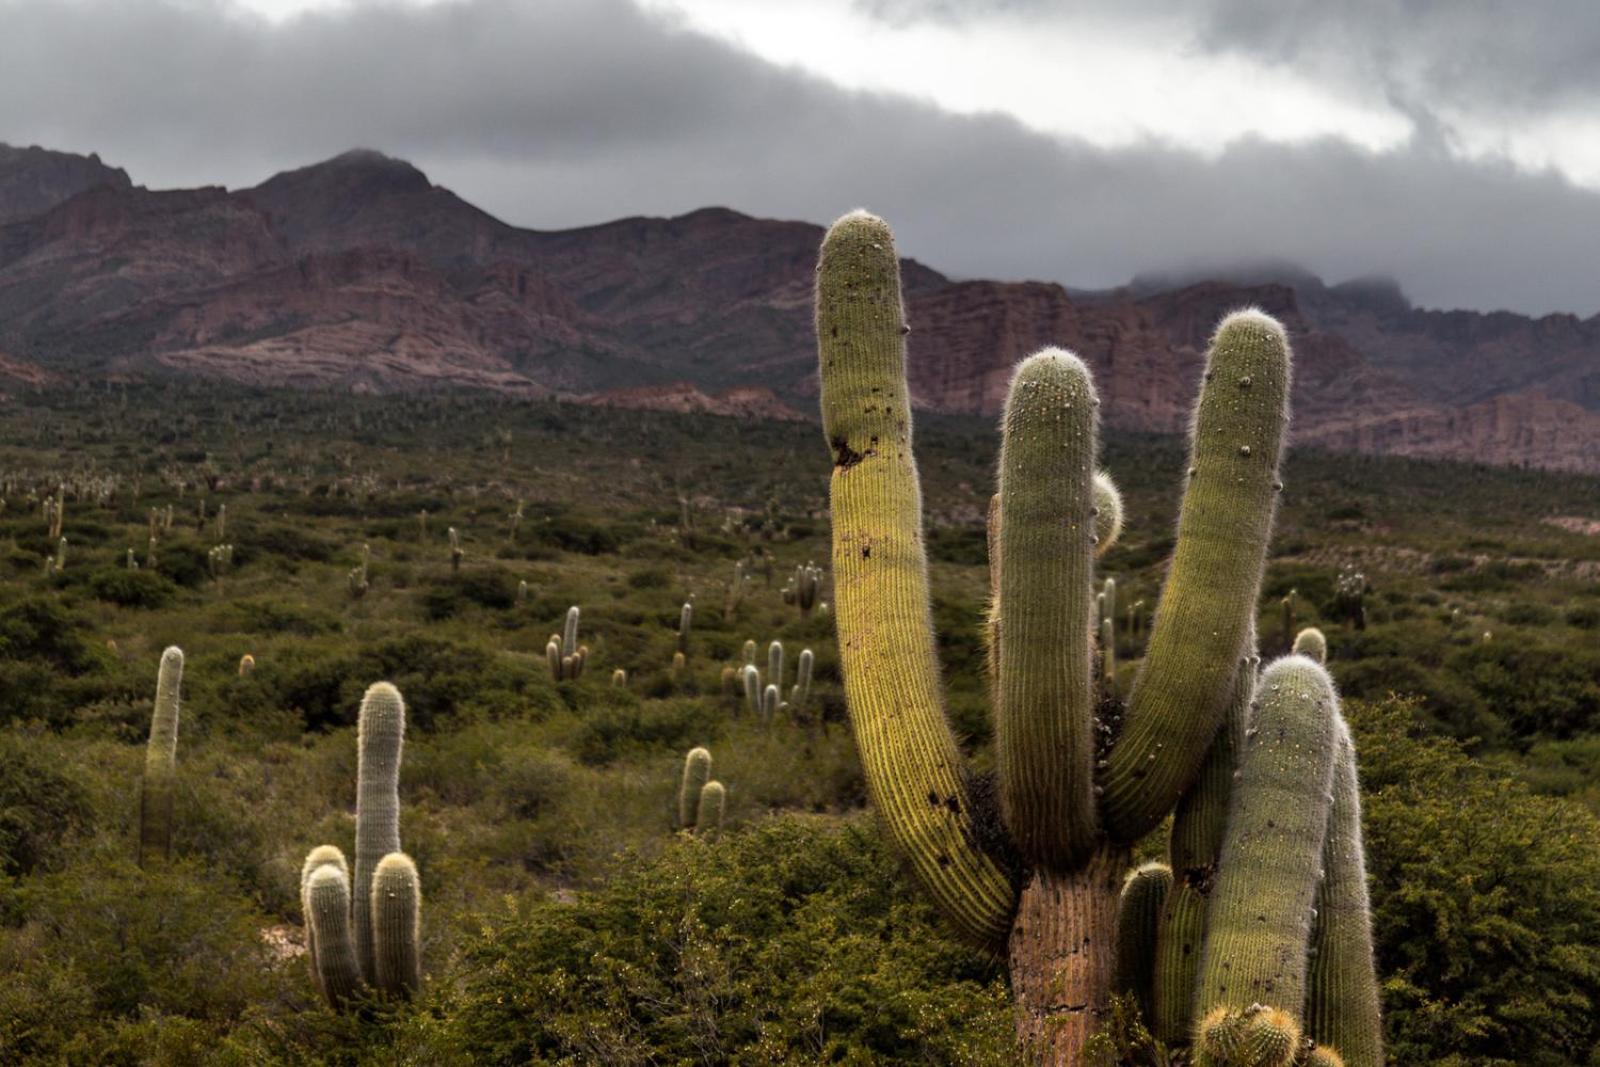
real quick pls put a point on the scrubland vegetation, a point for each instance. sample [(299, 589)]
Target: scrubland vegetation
[(566, 918)]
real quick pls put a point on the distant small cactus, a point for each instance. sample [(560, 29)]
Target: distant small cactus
[(696, 772), (247, 663), (710, 809), (160, 762)]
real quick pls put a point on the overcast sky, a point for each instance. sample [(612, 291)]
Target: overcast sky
[(1454, 146)]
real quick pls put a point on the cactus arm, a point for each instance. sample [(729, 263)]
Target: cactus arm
[(1258, 927), (1198, 826), (317, 857), (696, 772), (380, 735), (1311, 643), (1044, 722), (1205, 616), (396, 925), (881, 602), (709, 810), (328, 913), (1343, 999), (1107, 514), (1143, 897), (160, 761)]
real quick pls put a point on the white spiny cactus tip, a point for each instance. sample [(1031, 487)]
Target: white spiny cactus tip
[(1254, 320), (172, 655)]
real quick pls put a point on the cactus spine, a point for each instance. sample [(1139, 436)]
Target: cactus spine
[(696, 773), (160, 761), (366, 932), (1175, 743)]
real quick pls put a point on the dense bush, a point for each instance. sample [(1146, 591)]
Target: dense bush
[(798, 942)]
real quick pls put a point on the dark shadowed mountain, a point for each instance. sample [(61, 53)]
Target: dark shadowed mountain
[(360, 273)]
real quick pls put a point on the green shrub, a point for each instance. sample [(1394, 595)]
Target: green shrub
[(798, 942), (132, 589), (40, 806)]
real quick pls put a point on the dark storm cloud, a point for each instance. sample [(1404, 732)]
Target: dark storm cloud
[(564, 112), (1496, 55)]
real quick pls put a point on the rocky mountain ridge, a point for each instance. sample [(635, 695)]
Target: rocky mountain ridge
[(360, 273)]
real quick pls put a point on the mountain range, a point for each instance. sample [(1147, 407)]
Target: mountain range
[(359, 273)]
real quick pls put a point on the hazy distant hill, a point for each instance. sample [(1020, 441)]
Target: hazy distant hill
[(359, 272)]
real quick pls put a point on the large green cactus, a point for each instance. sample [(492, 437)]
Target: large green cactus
[(160, 762), (1081, 774), (1258, 924), (366, 932)]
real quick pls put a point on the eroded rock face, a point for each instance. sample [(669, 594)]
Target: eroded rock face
[(360, 272)]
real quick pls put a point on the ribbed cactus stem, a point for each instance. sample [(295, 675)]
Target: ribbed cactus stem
[(1324, 1057), (1311, 643), (770, 698), (696, 772), (1342, 1008), (1044, 713), (1107, 513), (327, 899), (552, 655), (569, 633), (396, 908), (619, 679), (801, 693), (685, 620), (1108, 602), (752, 690), (1206, 612), (775, 663), (1258, 928), (1143, 896), (1194, 849), (322, 854), (160, 761), (750, 652), (709, 812), (909, 755), (380, 737), (679, 664)]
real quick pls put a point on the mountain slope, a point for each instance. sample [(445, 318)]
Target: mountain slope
[(358, 272)]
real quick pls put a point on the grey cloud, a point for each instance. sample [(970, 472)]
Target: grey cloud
[(1498, 56), (566, 112)]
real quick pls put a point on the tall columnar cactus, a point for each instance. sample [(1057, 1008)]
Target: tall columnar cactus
[(696, 773), (775, 663), (565, 655), (685, 620), (379, 739), (801, 693), (1082, 773), (456, 551), (807, 579), (160, 762), (752, 689), (365, 931)]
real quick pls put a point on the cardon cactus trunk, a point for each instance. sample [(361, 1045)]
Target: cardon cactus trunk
[(1081, 773), (366, 932), (160, 762)]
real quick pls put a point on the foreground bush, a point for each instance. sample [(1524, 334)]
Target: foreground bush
[(797, 942)]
